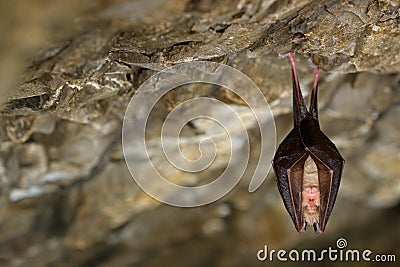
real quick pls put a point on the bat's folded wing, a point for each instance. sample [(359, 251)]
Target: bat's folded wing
[(288, 165)]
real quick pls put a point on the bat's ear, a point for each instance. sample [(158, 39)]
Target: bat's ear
[(314, 95)]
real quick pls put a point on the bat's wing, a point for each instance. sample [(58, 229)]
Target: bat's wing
[(329, 162), (288, 165)]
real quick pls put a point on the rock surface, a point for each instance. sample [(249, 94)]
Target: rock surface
[(67, 197)]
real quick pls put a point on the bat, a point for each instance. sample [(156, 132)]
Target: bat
[(307, 165)]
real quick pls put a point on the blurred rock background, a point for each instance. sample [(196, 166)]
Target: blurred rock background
[(69, 68)]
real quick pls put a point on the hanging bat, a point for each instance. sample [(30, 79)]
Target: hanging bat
[(308, 166)]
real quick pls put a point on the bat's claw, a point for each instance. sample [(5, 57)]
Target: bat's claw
[(288, 54), (311, 63)]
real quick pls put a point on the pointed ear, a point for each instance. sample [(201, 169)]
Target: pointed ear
[(314, 96)]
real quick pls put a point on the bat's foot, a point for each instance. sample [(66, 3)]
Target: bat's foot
[(311, 63), (288, 54)]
